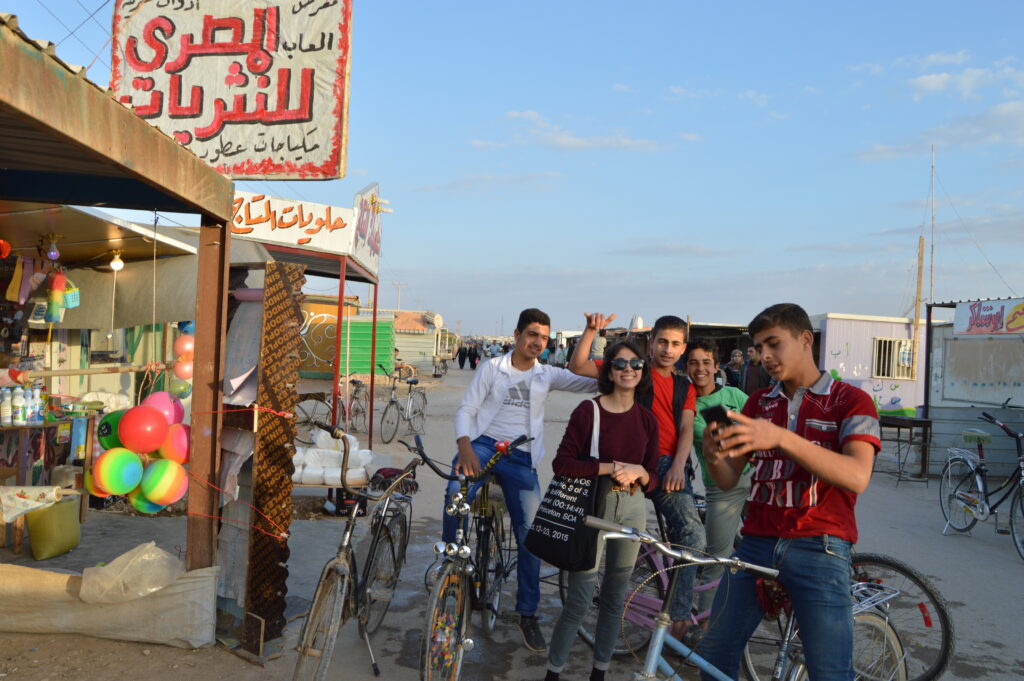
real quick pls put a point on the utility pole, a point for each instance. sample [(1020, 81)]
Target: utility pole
[(398, 289), (931, 260)]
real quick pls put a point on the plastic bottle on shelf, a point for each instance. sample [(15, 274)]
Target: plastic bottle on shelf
[(35, 415), (6, 408), (18, 407)]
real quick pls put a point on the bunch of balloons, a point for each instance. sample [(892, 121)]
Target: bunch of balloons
[(145, 452), (184, 352)]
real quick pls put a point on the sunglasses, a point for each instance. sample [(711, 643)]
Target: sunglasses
[(619, 363)]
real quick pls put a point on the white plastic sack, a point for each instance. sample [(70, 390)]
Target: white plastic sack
[(135, 574), (323, 440)]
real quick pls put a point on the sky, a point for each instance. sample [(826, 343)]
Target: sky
[(668, 157)]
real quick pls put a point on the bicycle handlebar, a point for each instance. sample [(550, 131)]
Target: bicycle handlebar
[(616, 531), (988, 418), (502, 449), (339, 434)]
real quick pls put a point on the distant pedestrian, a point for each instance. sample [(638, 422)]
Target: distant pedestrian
[(734, 369), (558, 356), (462, 354), (755, 376), (599, 344), (474, 356)]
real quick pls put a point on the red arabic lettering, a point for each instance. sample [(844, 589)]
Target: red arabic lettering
[(258, 50), (261, 114), (174, 107), (153, 26), (984, 318)]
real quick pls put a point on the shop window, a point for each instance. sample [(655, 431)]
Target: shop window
[(895, 358)]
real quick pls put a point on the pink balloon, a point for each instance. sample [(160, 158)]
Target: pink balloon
[(183, 370), (176, 446), (184, 343), (142, 429), (167, 404)]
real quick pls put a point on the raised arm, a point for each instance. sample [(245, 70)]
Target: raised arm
[(580, 362)]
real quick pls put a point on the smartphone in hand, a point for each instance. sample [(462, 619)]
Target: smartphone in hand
[(716, 414)]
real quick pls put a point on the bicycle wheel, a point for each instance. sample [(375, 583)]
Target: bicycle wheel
[(643, 603), (389, 422), (398, 525), (491, 561), (316, 642), (959, 494), (447, 619), (306, 412), (762, 650), (380, 579), (918, 614), (1017, 520), (417, 411), (877, 652), (358, 412)]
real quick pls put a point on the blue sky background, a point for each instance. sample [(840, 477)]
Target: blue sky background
[(667, 157)]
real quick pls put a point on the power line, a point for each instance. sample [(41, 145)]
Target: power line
[(86, 20), (71, 32)]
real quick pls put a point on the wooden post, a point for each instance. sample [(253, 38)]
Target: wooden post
[(336, 388), (373, 365), (207, 397)]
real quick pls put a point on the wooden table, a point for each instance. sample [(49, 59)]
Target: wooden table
[(903, 446)]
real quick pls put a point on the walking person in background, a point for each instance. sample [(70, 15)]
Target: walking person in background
[(754, 375), (474, 356), (734, 369), (462, 354), (627, 445), (558, 356), (504, 400), (724, 508), (598, 345)]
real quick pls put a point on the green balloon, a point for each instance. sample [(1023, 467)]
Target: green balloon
[(106, 431)]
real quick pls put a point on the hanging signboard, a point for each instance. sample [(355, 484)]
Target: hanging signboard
[(367, 237), (254, 88), (989, 317), (304, 225)]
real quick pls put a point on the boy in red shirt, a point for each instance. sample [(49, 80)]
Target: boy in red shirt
[(812, 441)]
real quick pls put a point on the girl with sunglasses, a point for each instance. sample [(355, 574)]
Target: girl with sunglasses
[(627, 462)]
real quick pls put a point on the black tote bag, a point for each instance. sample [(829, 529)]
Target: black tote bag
[(558, 535)]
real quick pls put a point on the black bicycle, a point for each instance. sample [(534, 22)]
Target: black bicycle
[(964, 492), (472, 577), (346, 591)]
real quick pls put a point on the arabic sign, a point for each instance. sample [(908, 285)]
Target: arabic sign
[(253, 87), (366, 241), (309, 226), (989, 317)]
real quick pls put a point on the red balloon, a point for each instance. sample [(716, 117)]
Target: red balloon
[(184, 343), (183, 370), (142, 429)]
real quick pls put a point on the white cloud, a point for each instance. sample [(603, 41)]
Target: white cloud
[(620, 87), (958, 57), (811, 90), (689, 137), (870, 69), (778, 116), (933, 82), (756, 97), (966, 83), (484, 145), (664, 248), (485, 181), (677, 93), (552, 135)]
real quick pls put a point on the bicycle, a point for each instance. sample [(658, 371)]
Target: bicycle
[(877, 652), (470, 578), (915, 611), (344, 591), (316, 407), (414, 411), (964, 491), (440, 366)]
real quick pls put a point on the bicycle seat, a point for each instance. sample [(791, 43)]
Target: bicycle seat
[(355, 381), (975, 436), (412, 381)]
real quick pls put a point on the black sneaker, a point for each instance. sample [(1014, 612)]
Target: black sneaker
[(532, 636)]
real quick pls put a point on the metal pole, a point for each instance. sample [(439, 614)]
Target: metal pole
[(373, 364), (335, 388)]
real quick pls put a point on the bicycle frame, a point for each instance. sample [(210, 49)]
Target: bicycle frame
[(980, 470)]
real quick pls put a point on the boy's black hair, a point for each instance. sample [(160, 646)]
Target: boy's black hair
[(789, 316), (531, 315), (706, 344), (670, 322), (604, 375)]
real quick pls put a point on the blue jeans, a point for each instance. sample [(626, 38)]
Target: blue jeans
[(684, 529), (519, 484), (816, 574)]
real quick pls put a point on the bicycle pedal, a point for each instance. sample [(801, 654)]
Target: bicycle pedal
[(1002, 530)]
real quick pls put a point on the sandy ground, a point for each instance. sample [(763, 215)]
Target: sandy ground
[(979, 576)]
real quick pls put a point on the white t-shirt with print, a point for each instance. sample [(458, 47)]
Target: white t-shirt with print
[(513, 418)]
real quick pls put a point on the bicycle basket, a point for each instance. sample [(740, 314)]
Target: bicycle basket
[(71, 296)]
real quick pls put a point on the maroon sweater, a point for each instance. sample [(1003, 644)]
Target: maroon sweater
[(629, 437)]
